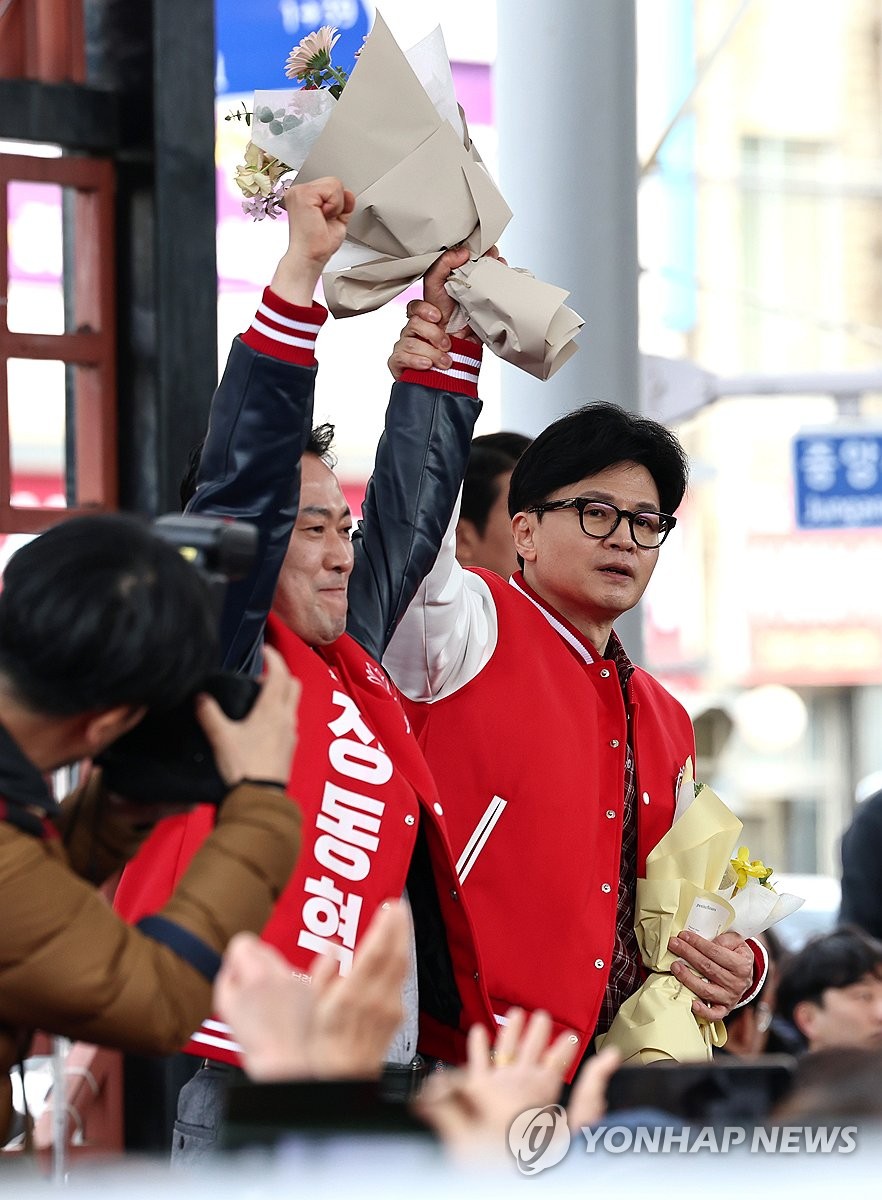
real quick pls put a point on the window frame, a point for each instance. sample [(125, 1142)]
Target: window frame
[(91, 347)]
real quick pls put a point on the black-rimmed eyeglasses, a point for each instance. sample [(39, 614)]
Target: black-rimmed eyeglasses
[(599, 519)]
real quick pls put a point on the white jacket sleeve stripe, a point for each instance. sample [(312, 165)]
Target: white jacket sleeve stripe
[(478, 840)]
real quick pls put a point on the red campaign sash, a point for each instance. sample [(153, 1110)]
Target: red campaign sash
[(356, 774)]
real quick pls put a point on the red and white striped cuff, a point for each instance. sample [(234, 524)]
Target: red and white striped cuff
[(214, 1040), (461, 377), (760, 971), (285, 331)]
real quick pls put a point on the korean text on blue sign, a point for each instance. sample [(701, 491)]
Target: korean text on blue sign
[(838, 480), (254, 37)]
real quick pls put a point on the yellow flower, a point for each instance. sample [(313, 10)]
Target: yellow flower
[(313, 53), (745, 869)]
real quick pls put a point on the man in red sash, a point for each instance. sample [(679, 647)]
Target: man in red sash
[(373, 826)]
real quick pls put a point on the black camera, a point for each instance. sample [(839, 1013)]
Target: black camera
[(223, 550), (167, 758)]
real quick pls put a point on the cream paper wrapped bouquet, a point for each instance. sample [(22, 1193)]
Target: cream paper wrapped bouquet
[(396, 138), (692, 883)]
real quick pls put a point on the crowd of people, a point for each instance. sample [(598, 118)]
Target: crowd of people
[(442, 799)]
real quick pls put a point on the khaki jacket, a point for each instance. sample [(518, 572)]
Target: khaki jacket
[(69, 965)]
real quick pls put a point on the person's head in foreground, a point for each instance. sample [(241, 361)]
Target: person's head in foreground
[(592, 501), (831, 990), (99, 621)]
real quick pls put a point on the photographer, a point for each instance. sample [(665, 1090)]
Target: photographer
[(101, 621)]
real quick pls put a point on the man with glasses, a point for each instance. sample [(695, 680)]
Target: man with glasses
[(557, 760)]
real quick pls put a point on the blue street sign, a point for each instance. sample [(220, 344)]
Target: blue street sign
[(838, 479), (255, 37)]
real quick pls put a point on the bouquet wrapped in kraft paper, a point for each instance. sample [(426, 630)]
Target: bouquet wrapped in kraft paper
[(397, 139), (692, 883)]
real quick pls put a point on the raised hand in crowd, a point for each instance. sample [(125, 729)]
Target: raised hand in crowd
[(472, 1108), (587, 1103), (323, 1026)]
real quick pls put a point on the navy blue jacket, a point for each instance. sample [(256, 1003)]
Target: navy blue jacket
[(260, 422)]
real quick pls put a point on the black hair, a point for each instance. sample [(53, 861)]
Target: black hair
[(831, 960), (506, 441), (321, 439), (491, 456), (98, 612), (589, 440)]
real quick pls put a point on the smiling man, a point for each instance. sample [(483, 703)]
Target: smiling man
[(311, 595), (373, 826), (556, 759)]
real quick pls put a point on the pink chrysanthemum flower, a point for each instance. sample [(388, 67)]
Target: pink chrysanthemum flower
[(312, 54)]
